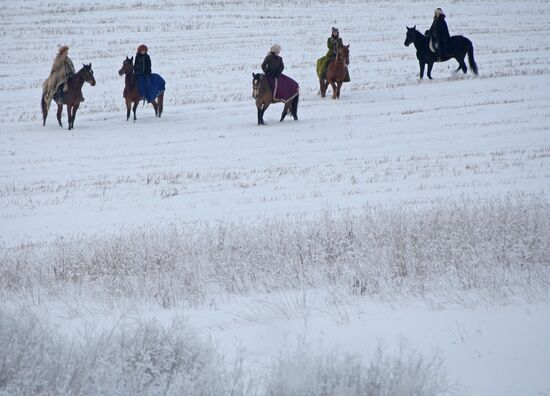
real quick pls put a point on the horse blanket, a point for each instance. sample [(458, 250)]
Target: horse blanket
[(283, 87), (150, 86)]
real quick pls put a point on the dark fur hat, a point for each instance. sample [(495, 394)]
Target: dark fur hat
[(142, 47)]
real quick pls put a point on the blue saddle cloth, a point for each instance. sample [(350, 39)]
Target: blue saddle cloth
[(150, 86)]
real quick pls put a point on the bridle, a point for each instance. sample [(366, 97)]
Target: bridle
[(340, 59), (125, 67), (85, 75), (412, 35), (256, 86)]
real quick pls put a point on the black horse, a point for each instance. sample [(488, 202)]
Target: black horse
[(460, 45)]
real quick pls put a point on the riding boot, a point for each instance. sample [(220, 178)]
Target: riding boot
[(60, 94)]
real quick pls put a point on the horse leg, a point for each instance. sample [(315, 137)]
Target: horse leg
[(430, 66), (59, 111), (323, 87), (333, 85), (338, 89), (128, 108), (136, 103), (261, 111), (462, 64), (161, 103), (156, 107), (69, 117), (422, 65), (73, 114), (262, 107)]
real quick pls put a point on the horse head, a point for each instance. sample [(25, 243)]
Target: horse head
[(88, 74), (411, 34), (343, 54), (256, 84), (127, 66)]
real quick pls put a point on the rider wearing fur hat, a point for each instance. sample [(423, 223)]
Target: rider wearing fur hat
[(142, 62), (142, 69), (439, 32), (273, 64), (334, 43), (62, 70)]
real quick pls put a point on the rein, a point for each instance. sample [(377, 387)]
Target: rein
[(78, 78), (339, 59), (257, 88), (130, 77), (420, 38)]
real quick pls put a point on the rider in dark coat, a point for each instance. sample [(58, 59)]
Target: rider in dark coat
[(334, 43), (142, 63), (283, 87), (142, 69), (439, 32), (273, 64)]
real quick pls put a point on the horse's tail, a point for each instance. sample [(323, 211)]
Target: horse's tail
[(44, 110), (295, 106), (471, 60)]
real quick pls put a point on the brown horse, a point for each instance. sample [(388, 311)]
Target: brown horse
[(131, 90), (336, 73), (261, 91), (72, 97)]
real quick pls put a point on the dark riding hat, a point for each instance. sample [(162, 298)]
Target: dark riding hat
[(142, 47), (335, 31)]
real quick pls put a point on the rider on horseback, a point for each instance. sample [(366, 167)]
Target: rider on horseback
[(273, 64), (142, 69), (283, 87), (62, 71), (334, 43), (439, 34)]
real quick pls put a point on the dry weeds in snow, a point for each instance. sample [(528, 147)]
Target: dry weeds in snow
[(147, 358), (498, 247)]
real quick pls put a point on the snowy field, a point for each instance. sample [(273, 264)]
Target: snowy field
[(394, 242)]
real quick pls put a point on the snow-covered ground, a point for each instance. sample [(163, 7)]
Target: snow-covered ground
[(206, 191)]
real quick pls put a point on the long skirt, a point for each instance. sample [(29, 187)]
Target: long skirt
[(322, 66)]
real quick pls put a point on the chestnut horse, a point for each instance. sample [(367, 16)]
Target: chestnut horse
[(336, 73), (72, 97), (131, 90), (261, 91)]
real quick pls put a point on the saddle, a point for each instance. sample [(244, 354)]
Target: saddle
[(59, 95)]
